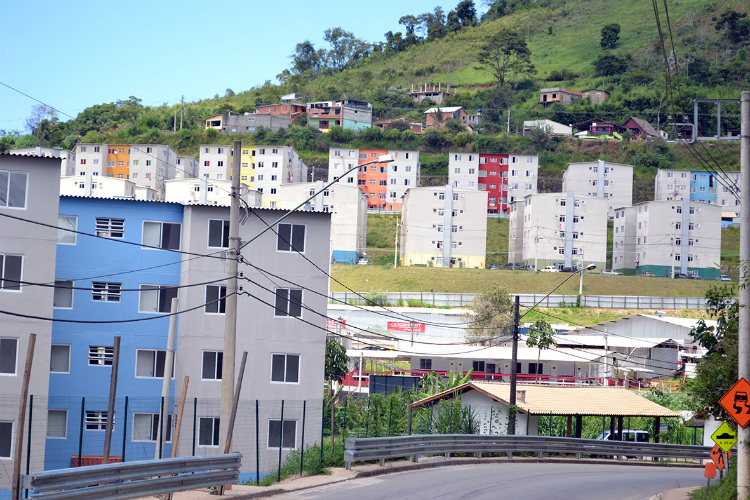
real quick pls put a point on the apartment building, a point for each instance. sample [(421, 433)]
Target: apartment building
[(611, 181), (714, 188), (444, 227), (384, 184), (67, 158), (247, 123), (506, 178), (186, 167), (105, 187), (558, 229), (662, 236), (215, 162), (206, 192), (29, 187), (346, 203), (348, 113)]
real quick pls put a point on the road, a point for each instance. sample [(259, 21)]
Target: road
[(511, 481)]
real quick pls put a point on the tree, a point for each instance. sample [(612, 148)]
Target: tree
[(610, 36), (433, 24), (608, 64), (737, 25), (345, 49), (496, 101), (337, 363), (307, 59), (505, 55), (541, 336), (463, 16), (43, 118), (717, 371), (490, 317)]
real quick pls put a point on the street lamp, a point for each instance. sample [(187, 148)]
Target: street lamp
[(590, 267)]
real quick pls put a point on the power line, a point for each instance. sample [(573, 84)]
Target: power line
[(37, 100)]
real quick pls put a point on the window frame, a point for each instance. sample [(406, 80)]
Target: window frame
[(224, 236), (110, 228), (97, 418), (218, 364), (5, 340), (104, 358), (215, 424), (68, 348), (154, 364), (220, 302), (285, 239), (149, 287), (67, 232), (283, 434), (11, 426), (17, 287), (105, 293), (65, 427), (160, 245), (286, 313), (153, 427), (285, 368), (5, 197), (67, 287)]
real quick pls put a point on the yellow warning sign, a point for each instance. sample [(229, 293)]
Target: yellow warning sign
[(725, 437)]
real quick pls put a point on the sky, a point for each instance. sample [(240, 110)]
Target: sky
[(75, 54)]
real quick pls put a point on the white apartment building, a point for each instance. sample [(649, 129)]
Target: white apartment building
[(105, 187), (444, 227), (384, 184), (347, 205), (612, 181), (662, 236), (67, 158), (90, 158), (151, 165), (558, 229), (186, 167), (714, 188), (206, 192), (276, 166), (215, 162), (463, 170)]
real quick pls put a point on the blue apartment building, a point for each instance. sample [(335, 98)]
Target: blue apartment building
[(111, 278)]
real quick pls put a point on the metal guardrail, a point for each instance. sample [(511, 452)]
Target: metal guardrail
[(527, 300), (135, 479), (383, 448)]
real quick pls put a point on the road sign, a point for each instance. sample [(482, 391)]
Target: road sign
[(736, 403), (710, 470), (724, 437), (718, 457)]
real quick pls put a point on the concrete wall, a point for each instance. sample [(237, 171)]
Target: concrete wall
[(611, 181)]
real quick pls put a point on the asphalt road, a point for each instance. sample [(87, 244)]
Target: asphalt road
[(512, 481)]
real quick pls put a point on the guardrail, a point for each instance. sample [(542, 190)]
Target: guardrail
[(382, 448), (435, 299), (135, 479)]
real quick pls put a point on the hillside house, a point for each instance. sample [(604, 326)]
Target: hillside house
[(641, 129), (435, 94), (551, 95), (436, 117), (595, 96)]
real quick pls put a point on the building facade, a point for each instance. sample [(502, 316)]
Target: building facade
[(506, 178), (662, 237), (247, 123), (67, 158), (611, 181), (384, 184), (29, 187), (444, 227), (558, 229), (186, 168), (551, 95), (348, 113), (701, 186), (347, 205)]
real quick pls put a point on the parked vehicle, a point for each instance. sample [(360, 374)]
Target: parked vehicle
[(493, 266), (695, 276), (680, 276), (636, 435), (647, 273), (550, 269), (611, 272), (723, 277), (363, 261), (527, 267)]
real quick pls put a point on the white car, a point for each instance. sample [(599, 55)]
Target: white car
[(724, 277), (551, 269), (612, 272), (363, 262)]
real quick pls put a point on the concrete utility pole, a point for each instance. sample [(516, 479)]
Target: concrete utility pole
[(166, 384), (182, 110), (743, 365), (230, 310), (513, 372), (395, 250)]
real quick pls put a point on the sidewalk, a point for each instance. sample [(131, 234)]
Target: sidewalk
[(241, 492)]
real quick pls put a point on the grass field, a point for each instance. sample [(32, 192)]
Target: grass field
[(375, 278)]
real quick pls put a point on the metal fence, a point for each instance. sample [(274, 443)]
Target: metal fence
[(358, 449), (431, 299)]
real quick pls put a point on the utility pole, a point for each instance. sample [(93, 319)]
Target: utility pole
[(606, 357), (513, 372), (182, 110), (743, 365), (395, 251), (672, 238), (230, 318), (536, 251), (508, 121)]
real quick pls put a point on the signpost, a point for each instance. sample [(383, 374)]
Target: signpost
[(735, 402), (724, 437)]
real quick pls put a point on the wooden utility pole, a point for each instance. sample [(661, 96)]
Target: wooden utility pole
[(513, 372), (18, 452), (111, 402), (230, 316), (743, 366)]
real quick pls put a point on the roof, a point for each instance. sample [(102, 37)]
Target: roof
[(684, 322), (645, 126), (449, 109), (611, 341), (563, 400)]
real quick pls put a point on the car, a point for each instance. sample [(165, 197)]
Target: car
[(527, 267), (495, 267), (570, 269), (723, 277), (550, 269), (636, 435), (647, 273), (363, 261), (611, 272), (695, 276), (680, 276)]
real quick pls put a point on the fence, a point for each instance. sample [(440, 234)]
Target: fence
[(398, 447), (432, 299)]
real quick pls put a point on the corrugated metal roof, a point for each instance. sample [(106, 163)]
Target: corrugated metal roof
[(538, 399)]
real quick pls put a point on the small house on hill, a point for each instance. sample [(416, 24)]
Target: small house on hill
[(490, 402), (640, 128)]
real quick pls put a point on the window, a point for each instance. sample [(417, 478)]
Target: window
[(208, 431), (63, 294), (219, 163), (216, 299), (212, 365), (106, 292), (149, 363), (110, 228), (285, 368), (156, 298), (286, 436), (6, 434), (57, 424), (218, 233), (425, 364), (100, 356), (97, 421), (164, 235), (288, 302), (291, 238), (13, 186), (536, 368), (146, 427), (478, 366), (59, 360), (11, 267), (8, 356)]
